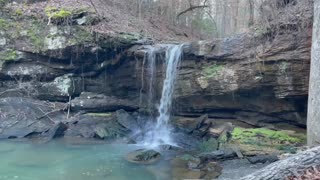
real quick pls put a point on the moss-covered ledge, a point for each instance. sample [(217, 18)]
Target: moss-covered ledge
[(72, 34)]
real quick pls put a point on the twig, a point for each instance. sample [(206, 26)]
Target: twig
[(69, 106), (10, 90), (47, 114), (95, 9), (193, 7)]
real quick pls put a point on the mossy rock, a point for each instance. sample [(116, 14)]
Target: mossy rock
[(143, 156), (55, 13), (212, 70), (253, 140), (3, 24), (118, 40), (209, 145), (8, 55), (254, 134), (80, 16)]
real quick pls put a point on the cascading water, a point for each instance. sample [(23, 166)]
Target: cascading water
[(160, 132), (152, 74), (149, 63)]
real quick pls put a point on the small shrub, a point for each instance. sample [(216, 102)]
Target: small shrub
[(55, 13), (212, 70), (18, 12), (4, 24), (8, 55)]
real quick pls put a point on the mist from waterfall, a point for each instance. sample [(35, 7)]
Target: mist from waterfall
[(160, 132)]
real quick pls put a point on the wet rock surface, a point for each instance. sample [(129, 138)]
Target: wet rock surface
[(21, 117), (235, 169), (26, 117), (98, 125), (218, 155), (263, 159), (189, 167), (143, 156), (92, 102)]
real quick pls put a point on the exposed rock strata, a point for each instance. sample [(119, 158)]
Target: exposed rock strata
[(251, 78)]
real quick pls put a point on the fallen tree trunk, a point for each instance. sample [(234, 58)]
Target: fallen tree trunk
[(291, 167)]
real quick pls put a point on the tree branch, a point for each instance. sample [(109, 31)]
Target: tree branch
[(191, 8)]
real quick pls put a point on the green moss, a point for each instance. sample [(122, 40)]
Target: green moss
[(8, 55), (100, 114), (4, 24), (212, 70), (55, 13), (3, 3), (287, 149), (18, 12), (262, 140), (36, 40), (208, 146), (264, 135), (36, 35)]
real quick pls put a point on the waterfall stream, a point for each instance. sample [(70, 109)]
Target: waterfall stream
[(160, 132)]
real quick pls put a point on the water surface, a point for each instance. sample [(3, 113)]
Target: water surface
[(63, 161)]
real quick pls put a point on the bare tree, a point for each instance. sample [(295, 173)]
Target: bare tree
[(193, 7), (314, 87), (251, 9)]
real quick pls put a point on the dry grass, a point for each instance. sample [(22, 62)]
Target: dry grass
[(286, 15), (117, 17), (312, 173)]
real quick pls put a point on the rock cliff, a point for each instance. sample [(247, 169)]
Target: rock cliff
[(254, 78)]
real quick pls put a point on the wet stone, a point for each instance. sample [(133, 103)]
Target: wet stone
[(143, 156)]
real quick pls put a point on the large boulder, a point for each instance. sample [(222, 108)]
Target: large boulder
[(143, 156), (23, 117), (95, 125)]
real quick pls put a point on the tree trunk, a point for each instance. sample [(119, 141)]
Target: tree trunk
[(251, 11), (313, 124), (235, 16), (291, 166)]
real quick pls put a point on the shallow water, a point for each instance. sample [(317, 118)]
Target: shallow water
[(62, 161)]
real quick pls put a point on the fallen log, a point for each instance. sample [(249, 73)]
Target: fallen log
[(293, 166)]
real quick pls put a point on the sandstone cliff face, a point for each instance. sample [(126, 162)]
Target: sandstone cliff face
[(248, 77), (252, 78)]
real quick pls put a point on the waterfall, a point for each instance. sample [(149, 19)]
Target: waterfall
[(152, 74), (148, 71), (160, 133)]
